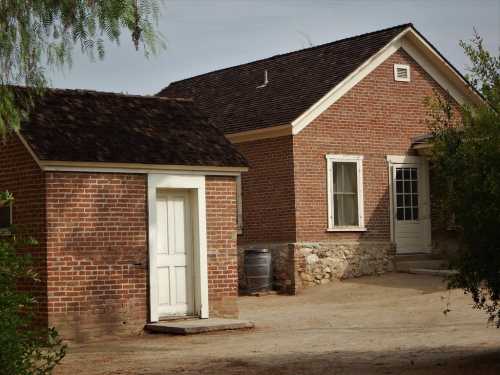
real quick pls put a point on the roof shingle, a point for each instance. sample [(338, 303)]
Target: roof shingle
[(297, 80), (90, 126)]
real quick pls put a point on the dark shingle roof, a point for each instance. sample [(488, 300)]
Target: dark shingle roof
[(297, 80), (90, 126)]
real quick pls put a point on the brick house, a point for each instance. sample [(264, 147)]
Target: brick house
[(338, 181), (133, 202)]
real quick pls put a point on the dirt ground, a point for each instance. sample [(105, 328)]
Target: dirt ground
[(392, 324)]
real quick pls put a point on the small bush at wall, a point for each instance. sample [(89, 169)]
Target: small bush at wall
[(24, 349)]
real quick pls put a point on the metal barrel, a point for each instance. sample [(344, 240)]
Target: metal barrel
[(258, 270)]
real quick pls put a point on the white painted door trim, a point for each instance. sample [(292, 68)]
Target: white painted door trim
[(424, 207), (196, 184)]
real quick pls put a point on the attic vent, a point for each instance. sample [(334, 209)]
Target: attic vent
[(401, 72)]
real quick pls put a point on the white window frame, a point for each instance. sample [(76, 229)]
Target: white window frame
[(401, 66), (239, 206), (358, 159)]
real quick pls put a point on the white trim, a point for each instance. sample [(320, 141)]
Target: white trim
[(440, 70), (402, 66), (423, 53), (239, 206), (348, 83), (139, 169), (347, 229), (257, 134), (358, 159), (31, 152), (402, 159), (197, 185)]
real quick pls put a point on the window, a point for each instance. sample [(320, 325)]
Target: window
[(239, 206), (406, 193), (345, 193), (402, 72), (5, 218)]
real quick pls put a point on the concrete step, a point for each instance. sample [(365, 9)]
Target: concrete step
[(402, 265), (195, 326), (431, 272)]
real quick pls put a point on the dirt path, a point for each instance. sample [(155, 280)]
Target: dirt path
[(391, 324)]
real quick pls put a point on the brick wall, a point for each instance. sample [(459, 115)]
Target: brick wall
[(377, 117), (96, 253), (20, 175), (221, 238), (268, 193)]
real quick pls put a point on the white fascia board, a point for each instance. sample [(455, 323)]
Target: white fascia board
[(439, 69), (55, 166), (348, 83), (421, 51), (30, 151)]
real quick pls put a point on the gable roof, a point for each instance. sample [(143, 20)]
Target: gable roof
[(297, 80), (304, 83), (91, 126)]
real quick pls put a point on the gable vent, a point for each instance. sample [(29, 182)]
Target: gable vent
[(402, 72)]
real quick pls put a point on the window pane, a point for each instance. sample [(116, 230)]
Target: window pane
[(5, 217), (415, 213), (345, 209), (415, 200), (408, 213), (399, 186), (414, 173), (407, 200), (414, 187), (406, 186), (344, 177), (401, 214), (406, 173), (399, 174), (399, 200)]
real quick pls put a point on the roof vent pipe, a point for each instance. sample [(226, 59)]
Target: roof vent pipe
[(266, 80)]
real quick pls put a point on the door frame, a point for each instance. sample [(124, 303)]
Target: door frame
[(196, 186), (424, 196)]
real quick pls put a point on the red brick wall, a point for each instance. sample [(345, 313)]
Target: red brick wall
[(96, 253), (268, 193), (221, 243), (20, 175), (377, 117)]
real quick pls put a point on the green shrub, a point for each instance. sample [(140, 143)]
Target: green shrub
[(25, 349)]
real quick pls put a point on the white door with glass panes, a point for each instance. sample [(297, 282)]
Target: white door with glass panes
[(411, 210), (174, 253)]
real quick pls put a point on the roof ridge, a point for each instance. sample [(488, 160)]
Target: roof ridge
[(403, 25), (107, 93)]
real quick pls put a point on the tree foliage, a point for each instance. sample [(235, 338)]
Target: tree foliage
[(37, 35), (25, 350), (466, 178)]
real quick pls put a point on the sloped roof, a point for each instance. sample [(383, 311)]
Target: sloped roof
[(91, 126), (297, 80)]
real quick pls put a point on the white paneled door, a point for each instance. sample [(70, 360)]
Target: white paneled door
[(174, 253)]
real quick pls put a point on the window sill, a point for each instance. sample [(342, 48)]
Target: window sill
[(347, 229)]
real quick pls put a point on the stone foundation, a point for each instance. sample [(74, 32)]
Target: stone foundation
[(301, 265), (324, 262)]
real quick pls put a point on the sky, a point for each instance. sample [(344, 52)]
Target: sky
[(205, 35)]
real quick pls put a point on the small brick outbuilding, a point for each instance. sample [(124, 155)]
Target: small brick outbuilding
[(133, 202)]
